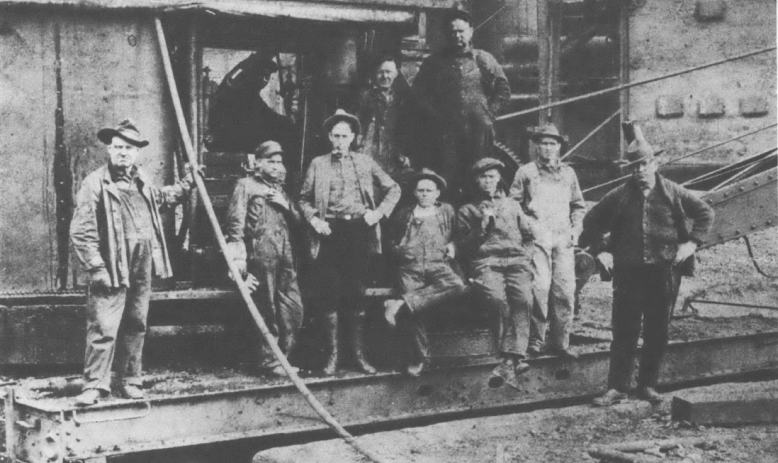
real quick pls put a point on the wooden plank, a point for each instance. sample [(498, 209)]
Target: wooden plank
[(753, 408)]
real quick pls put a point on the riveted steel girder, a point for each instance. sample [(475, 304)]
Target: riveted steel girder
[(44, 429)]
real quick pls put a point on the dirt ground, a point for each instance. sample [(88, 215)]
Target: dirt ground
[(724, 274), (561, 435)]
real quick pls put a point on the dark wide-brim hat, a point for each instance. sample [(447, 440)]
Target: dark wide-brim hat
[(342, 116), (268, 149), (126, 130), (547, 130), (482, 165), (639, 149), (428, 174)]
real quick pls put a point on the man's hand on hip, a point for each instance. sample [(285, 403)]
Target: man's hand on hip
[(372, 217), (99, 279), (685, 250), (606, 260)]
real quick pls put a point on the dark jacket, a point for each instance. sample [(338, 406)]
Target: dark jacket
[(509, 236), (378, 191), (249, 214), (97, 231), (661, 236), (398, 226)]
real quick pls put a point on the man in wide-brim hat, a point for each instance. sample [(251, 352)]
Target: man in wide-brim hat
[(423, 251), (343, 198), (258, 228), (548, 190), (116, 234), (492, 234), (648, 246)]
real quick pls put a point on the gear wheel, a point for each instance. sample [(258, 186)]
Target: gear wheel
[(511, 160)]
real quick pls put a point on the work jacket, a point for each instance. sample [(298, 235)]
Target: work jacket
[(97, 231), (378, 191), (663, 228), (401, 221)]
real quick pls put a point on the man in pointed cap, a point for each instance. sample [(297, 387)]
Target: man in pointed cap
[(458, 92), (258, 229), (421, 237), (343, 199), (117, 235), (549, 191), (648, 251)]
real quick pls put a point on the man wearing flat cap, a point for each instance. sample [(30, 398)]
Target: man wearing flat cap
[(649, 244), (458, 93), (344, 196), (549, 191), (422, 247), (258, 230), (495, 237), (117, 235)]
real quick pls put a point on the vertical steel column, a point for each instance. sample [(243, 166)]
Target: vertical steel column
[(623, 70), (10, 420), (549, 59)]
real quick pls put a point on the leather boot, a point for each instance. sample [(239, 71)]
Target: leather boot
[(358, 343), (331, 336)]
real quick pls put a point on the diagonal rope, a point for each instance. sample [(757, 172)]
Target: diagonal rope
[(243, 289)]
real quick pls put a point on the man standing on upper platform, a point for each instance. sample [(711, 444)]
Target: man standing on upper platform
[(458, 92)]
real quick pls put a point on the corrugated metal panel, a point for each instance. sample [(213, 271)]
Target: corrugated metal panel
[(387, 11)]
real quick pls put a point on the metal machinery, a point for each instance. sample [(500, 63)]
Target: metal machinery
[(551, 50)]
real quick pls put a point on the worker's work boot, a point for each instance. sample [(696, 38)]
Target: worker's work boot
[(131, 391), (504, 373), (609, 398), (564, 353), (358, 343), (331, 336), (90, 397), (649, 394)]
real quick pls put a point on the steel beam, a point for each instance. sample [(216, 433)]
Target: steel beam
[(125, 427)]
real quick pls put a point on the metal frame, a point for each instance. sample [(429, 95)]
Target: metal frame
[(38, 428)]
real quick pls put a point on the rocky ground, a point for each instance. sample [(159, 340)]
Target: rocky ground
[(560, 435), (725, 274)]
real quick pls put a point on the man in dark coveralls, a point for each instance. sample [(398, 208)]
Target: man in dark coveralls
[(648, 251), (344, 196), (421, 237), (495, 237), (458, 92), (117, 235), (257, 229)]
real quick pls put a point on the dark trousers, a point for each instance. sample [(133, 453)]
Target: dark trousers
[(341, 270), (425, 285), (278, 295), (644, 292), (116, 324), (505, 287)]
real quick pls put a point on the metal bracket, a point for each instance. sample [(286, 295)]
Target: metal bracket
[(143, 414)]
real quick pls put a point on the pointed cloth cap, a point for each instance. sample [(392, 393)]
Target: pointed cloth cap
[(126, 130), (342, 116), (639, 148), (458, 12)]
